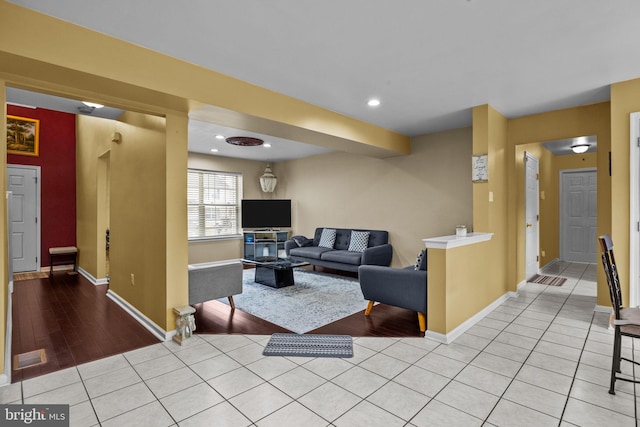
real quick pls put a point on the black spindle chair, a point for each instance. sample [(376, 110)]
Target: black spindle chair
[(625, 320)]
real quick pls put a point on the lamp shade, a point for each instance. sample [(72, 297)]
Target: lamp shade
[(268, 181)]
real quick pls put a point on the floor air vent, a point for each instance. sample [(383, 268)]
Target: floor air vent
[(32, 358)]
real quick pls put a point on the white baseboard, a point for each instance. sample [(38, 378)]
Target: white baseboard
[(603, 309), (149, 324), (467, 324), (92, 279), (5, 378), (520, 285)]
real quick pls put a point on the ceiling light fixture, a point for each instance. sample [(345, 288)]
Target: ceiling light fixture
[(373, 102), (268, 181), (244, 141), (219, 136), (267, 145), (92, 104), (214, 150), (580, 148)]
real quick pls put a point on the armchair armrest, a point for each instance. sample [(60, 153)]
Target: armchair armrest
[(378, 255), (406, 288)]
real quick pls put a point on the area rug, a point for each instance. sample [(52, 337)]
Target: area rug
[(309, 345), (547, 280), (315, 300), (30, 275)]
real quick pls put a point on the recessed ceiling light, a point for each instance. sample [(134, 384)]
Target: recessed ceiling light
[(373, 102), (92, 104), (214, 150), (219, 136), (267, 145)]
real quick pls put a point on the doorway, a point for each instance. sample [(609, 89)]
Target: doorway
[(578, 215), (24, 183)]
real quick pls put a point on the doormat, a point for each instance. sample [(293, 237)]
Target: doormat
[(309, 345), (30, 275), (26, 360), (547, 280)]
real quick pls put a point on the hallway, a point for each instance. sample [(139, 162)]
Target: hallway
[(540, 359)]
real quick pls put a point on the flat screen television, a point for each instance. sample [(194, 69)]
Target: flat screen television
[(267, 213)]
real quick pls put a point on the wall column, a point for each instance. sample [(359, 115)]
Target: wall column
[(177, 247)]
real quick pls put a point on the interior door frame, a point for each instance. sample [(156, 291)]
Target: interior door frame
[(634, 209), (561, 201), (530, 157), (38, 225)]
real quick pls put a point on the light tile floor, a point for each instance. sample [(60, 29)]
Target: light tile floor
[(539, 359)]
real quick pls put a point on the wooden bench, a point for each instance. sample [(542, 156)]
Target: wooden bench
[(62, 255)]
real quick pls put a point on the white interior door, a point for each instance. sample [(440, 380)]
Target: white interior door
[(578, 215), (532, 237), (24, 184)]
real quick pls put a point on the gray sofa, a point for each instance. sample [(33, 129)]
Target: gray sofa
[(378, 251)]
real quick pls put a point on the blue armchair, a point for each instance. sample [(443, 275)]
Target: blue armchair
[(400, 287)]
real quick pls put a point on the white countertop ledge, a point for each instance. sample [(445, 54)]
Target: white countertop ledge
[(447, 242)]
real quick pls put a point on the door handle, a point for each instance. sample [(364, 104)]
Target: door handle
[(529, 225)]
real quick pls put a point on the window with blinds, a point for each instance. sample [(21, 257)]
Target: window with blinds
[(213, 203)]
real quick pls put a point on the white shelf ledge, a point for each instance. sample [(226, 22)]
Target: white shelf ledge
[(447, 242)]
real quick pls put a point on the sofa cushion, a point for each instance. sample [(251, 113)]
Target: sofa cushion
[(345, 257), (328, 238), (302, 241), (359, 241), (421, 260), (314, 252)]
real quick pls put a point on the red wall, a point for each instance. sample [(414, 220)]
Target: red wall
[(57, 160)]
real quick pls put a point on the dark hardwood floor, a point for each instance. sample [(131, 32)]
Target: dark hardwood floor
[(75, 322), (72, 320)]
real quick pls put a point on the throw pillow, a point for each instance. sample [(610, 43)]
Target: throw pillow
[(421, 260), (328, 238), (301, 241), (359, 241)]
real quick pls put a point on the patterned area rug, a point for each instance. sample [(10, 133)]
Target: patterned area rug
[(309, 345), (547, 280), (315, 300)]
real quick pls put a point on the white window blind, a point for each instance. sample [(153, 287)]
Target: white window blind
[(213, 203)]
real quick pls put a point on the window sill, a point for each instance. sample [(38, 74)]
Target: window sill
[(214, 238)]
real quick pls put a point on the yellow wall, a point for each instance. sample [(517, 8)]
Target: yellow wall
[(586, 120), (148, 234), (465, 280), (625, 99)]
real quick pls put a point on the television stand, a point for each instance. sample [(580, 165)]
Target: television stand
[(267, 244)]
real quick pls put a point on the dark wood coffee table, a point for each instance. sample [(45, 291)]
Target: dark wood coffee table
[(276, 273)]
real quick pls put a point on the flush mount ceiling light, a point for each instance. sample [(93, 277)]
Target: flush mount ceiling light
[(373, 102), (92, 104), (219, 137), (580, 148), (88, 107), (244, 141)]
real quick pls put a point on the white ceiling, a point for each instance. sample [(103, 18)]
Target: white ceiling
[(429, 61)]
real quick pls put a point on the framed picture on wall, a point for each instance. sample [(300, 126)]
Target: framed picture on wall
[(23, 136), (480, 168)]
